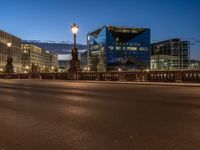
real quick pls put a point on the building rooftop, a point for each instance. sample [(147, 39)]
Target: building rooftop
[(169, 40), (10, 34), (122, 29)]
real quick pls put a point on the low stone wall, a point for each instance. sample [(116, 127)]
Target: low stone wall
[(137, 76)]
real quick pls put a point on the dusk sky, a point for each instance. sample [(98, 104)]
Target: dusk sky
[(51, 19)]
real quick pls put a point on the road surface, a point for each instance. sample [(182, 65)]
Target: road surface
[(69, 115)]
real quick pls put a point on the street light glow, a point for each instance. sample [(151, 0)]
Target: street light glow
[(74, 28), (9, 44)]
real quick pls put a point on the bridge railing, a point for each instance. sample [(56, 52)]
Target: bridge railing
[(136, 76), (162, 76), (191, 76)]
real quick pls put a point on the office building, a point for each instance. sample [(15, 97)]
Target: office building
[(41, 58), (113, 48), (171, 54), (194, 65), (54, 62), (64, 62), (84, 61), (15, 51)]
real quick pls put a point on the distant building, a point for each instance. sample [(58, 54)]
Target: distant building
[(119, 48), (194, 65), (15, 51), (32, 54), (54, 62), (56, 47), (170, 54), (64, 62), (84, 61)]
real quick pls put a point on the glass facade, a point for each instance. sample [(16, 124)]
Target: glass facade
[(170, 54), (111, 48)]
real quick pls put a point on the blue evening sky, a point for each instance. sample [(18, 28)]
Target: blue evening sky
[(51, 19)]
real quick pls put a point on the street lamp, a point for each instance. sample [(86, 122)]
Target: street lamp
[(9, 66), (75, 29), (75, 62), (119, 69), (9, 44)]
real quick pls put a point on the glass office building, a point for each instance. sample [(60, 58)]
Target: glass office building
[(171, 54), (113, 48)]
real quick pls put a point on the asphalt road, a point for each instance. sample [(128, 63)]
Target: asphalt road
[(65, 115)]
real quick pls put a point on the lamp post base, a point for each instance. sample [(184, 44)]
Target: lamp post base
[(9, 66), (74, 66), (73, 72)]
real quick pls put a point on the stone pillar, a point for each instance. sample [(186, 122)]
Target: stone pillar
[(29, 76), (178, 76), (145, 76), (54, 76), (98, 76), (74, 76), (122, 76), (19, 76)]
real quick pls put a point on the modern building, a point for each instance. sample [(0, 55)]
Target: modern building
[(84, 61), (194, 65), (112, 48), (54, 62), (170, 54), (63, 61), (15, 51), (41, 58)]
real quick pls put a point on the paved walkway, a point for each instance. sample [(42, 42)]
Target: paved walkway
[(121, 82), (148, 83)]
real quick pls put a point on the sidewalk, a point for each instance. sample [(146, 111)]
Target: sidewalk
[(146, 83), (115, 82)]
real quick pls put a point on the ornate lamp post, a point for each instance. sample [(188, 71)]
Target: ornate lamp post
[(9, 65), (75, 62)]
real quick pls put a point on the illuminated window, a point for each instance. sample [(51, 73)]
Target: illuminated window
[(124, 48), (132, 48), (111, 47), (143, 49), (95, 47), (118, 48)]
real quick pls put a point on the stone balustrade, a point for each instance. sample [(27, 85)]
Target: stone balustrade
[(136, 76)]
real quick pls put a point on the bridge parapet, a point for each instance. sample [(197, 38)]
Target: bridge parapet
[(135, 76)]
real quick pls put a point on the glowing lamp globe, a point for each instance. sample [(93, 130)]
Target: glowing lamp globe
[(74, 28), (9, 44)]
